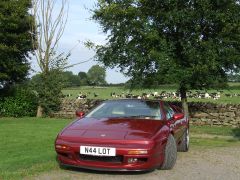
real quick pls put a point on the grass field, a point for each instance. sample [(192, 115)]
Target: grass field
[(104, 92), (27, 144), (212, 130)]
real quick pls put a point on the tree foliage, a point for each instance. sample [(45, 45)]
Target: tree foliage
[(83, 78), (184, 41), (96, 75), (191, 43), (49, 90), (71, 80), (15, 41)]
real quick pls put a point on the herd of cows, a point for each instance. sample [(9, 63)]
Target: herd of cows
[(158, 95)]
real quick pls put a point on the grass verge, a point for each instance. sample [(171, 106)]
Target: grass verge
[(219, 131)]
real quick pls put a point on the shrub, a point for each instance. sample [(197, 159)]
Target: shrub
[(23, 102), (49, 90)]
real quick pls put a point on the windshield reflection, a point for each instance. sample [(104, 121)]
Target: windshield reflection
[(134, 109)]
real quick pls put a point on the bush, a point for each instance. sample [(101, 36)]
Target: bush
[(23, 102), (1, 106), (49, 90)]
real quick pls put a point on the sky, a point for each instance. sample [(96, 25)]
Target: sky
[(80, 28)]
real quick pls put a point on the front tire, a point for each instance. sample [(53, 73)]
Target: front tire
[(184, 145), (170, 155)]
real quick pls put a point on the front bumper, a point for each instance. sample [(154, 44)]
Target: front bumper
[(107, 166), (107, 169), (145, 162)]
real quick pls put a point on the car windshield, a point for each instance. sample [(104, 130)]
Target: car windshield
[(127, 109)]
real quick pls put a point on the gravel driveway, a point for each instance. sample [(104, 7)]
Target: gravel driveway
[(197, 164)]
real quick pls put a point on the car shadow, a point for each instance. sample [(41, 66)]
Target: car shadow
[(76, 169), (236, 133)]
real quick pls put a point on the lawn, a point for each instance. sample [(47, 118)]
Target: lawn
[(219, 131), (104, 92), (210, 136), (27, 144)]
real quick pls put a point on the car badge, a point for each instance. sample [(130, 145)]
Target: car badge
[(103, 135)]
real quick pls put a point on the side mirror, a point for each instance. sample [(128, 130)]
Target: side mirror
[(80, 114), (178, 116)]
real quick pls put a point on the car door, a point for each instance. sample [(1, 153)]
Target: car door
[(175, 126), (183, 123)]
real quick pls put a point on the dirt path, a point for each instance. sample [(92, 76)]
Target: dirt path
[(204, 164)]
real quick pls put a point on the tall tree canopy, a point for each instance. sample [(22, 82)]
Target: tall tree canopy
[(96, 75), (83, 78), (192, 43), (15, 41), (71, 79)]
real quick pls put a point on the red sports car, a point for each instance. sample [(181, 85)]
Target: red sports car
[(125, 135)]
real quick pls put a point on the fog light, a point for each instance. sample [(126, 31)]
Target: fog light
[(132, 160)]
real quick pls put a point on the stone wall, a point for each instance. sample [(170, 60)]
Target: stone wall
[(200, 113), (215, 114), (69, 107)]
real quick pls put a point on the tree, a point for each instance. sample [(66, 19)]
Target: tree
[(96, 75), (83, 78), (71, 79), (192, 43), (15, 42), (49, 26)]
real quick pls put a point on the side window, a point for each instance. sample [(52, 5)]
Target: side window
[(169, 111), (176, 109)]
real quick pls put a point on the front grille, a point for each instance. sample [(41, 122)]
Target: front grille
[(111, 159)]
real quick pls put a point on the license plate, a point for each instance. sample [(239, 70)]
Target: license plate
[(97, 151)]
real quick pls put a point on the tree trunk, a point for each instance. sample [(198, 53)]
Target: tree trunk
[(40, 111), (183, 93)]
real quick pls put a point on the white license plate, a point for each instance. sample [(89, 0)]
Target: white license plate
[(98, 151)]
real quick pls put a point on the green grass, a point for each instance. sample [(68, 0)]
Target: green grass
[(27, 144), (104, 92), (234, 85), (216, 142), (212, 130), (209, 136)]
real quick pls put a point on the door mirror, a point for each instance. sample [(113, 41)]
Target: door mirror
[(80, 114), (178, 116)]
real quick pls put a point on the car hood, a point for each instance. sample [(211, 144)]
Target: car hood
[(110, 128)]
